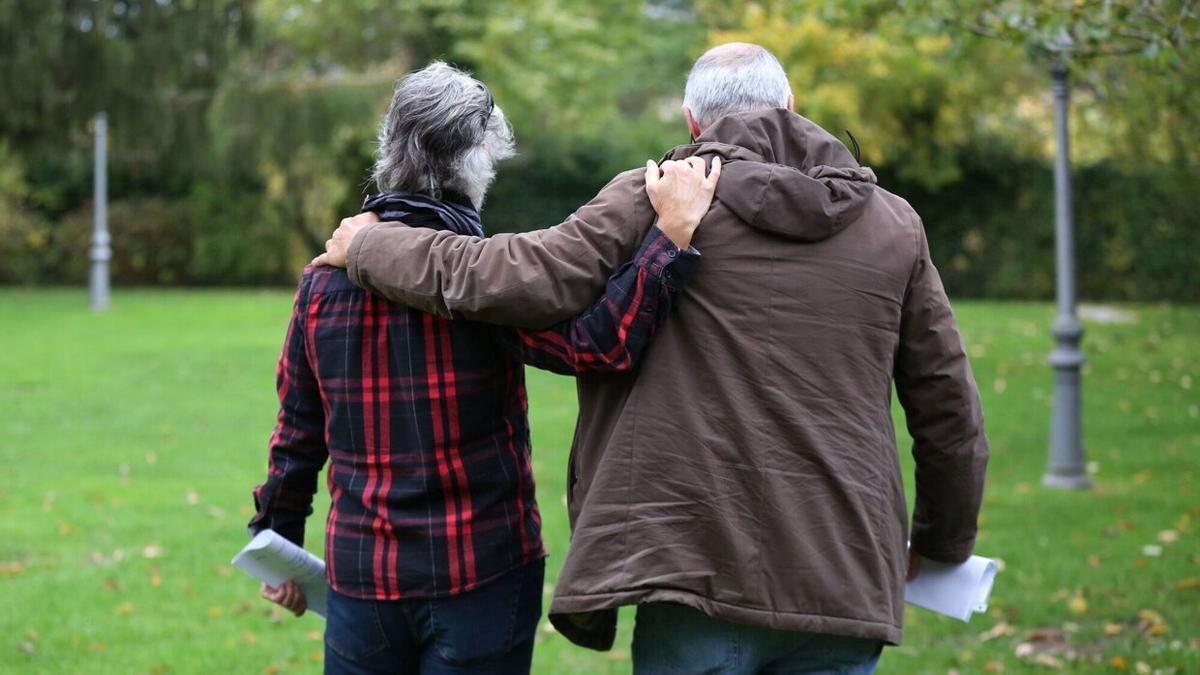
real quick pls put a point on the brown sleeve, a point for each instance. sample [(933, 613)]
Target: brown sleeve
[(945, 418), (530, 280)]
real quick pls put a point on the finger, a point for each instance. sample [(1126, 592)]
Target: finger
[(291, 599), (696, 165), (322, 259), (714, 174), (651, 175)]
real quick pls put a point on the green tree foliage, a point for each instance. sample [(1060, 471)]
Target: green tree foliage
[(242, 131)]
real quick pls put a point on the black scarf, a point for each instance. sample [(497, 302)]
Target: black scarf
[(454, 213)]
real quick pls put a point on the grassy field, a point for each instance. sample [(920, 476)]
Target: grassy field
[(133, 439)]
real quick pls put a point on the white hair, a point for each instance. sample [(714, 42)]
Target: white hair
[(441, 132), (734, 78)]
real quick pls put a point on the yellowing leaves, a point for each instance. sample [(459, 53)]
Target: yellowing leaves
[(11, 569), (1077, 604), (1152, 623)]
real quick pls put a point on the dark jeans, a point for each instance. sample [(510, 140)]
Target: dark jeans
[(671, 638), (486, 630)]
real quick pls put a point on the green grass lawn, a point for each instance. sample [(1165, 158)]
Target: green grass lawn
[(133, 439)]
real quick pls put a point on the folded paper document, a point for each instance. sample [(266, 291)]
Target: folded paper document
[(956, 590), (272, 559)]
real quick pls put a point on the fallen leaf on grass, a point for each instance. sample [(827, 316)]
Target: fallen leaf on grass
[(312, 635), (31, 634), (152, 550), (1111, 629), (271, 670), (249, 638), (1093, 561), (27, 647), (215, 611), (1077, 605), (999, 630), (97, 647), (1152, 623), (1048, 661), (223, 570), (1142, 668), (1168, 536), (125, 608), (11, 569), (1184, 584), (317, 656), (1119, 663), (993, 667), (193, 497), (65, 529), (1151, 550)]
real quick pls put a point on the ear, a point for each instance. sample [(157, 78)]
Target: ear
[(791, 104), (693, 128)]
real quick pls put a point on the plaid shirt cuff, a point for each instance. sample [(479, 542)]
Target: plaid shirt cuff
[(663, 259)]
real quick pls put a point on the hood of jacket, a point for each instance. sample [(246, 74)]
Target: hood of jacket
[(783, 174)]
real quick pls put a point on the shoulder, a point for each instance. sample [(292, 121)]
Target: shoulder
[(626, 186), (323, 280)]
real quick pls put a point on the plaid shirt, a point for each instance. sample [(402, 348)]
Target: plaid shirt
[(425, 421)]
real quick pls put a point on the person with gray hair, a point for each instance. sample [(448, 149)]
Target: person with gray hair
[(742, 488), (433, 542)]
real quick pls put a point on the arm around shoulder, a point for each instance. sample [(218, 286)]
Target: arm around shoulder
[(529, 280)]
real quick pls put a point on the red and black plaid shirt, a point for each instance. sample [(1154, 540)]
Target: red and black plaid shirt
[(425, 421)]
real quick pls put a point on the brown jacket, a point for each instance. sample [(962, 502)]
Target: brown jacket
[(749, 467)]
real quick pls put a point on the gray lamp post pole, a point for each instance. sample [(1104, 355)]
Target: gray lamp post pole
[(101, 251), (1066, 468)]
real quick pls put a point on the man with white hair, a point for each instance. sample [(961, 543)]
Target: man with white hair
[(433, 542), (743, 487)]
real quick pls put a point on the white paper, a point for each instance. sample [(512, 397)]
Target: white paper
[(272, 559), (954, 590)]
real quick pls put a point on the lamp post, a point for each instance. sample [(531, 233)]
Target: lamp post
[(1066, 467), (101, 251)]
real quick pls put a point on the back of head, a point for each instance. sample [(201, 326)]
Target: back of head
[(734, 78), (442, 132)]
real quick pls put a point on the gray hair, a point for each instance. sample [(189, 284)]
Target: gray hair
[(733, 78), (441, 132)]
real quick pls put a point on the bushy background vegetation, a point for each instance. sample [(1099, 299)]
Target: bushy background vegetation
[(241, 131)]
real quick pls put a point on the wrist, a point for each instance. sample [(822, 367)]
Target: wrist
[(679, 233)]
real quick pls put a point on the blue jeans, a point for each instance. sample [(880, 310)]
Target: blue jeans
[(671, 638), (483, 631)]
